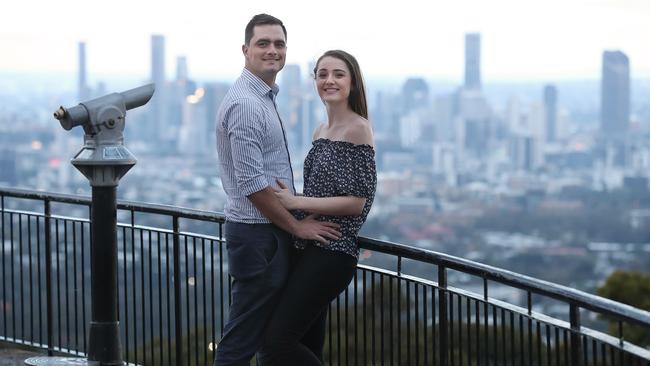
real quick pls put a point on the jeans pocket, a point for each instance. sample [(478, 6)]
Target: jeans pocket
[(250, 250)]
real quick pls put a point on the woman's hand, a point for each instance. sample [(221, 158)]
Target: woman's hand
[(286, 198)]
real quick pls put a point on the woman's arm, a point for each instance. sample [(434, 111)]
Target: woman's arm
[(333, 206)]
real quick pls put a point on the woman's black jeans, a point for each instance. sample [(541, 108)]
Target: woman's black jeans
[(296, 332)]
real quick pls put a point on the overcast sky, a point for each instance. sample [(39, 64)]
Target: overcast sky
[(521, 39)]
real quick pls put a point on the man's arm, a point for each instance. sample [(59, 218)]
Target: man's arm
[(245, 132), (308, 228)]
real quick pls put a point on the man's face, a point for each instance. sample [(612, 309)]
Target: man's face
[(265, 54)]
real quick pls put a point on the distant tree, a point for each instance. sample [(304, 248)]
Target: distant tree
[(632, 288)]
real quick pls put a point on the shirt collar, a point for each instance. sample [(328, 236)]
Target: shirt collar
[(259, 85)]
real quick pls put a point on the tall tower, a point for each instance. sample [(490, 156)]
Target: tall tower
[(550, 112), (83, 92), (472, 61), (615, 94), (183, 85), (158, 60), (290, 105), (181, 68), (158, 115), (290, 94), (415, 94)]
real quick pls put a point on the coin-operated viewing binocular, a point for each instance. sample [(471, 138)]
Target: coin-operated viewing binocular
[(104, 159)]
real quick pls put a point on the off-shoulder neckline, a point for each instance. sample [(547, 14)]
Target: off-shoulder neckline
[(345, 143)]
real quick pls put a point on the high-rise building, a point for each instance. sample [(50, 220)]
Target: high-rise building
[(181, 68), (192, 138), (522, 152), (312, 110), (550, 112), (415, 94), (289, 103), (158, 59), (214, 94), (472, 61), (100, 89), (473, 127), (175, 108), (615, 94), (8, 169), (290, 94), (158, 115), (83, 92)]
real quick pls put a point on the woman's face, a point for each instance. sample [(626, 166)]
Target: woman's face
[(333, 80)]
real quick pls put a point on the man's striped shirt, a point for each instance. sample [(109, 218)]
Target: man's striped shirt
[(251, 146)]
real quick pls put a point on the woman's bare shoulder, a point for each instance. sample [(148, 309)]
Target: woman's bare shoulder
[(359, 132)]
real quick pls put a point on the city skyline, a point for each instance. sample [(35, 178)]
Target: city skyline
[(462, 167), (530, 41)]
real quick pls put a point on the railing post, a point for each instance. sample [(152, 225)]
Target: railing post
[(48, 275), (442, 314), (2, 237), (177, 294), (399, 265), (576, 340)]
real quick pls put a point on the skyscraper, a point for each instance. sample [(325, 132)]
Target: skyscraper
[(290, 94), (192, 138), (158, 59), (157, 122), (181, 68), (290, 105), (8, 169), (415, 94), (214, 94), (472, 61), (183, 85), (550, 112), (83, 92), (615, 94), (473, 131)]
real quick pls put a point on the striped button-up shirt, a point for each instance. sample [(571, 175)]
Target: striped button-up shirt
[(251, 146)]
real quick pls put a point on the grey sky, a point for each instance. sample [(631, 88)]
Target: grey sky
[(521, 39)]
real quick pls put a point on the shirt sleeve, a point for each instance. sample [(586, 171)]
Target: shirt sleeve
[(245, 128), (360, 175)]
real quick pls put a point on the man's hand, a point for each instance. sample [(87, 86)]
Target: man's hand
[(309, 228), (322, 231)]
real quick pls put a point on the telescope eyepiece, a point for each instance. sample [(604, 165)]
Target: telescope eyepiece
[(60, 113)]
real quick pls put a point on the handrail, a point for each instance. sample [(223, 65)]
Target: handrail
[(559, 292), (152, 208)]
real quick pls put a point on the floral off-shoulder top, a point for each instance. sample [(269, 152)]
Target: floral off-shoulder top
[(340, 168)]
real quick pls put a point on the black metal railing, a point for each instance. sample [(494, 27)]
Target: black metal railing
[(174, 294)]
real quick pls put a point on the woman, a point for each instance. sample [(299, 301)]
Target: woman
[(340, 180)]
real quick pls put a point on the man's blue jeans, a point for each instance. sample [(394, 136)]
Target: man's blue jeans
[(258, 262)]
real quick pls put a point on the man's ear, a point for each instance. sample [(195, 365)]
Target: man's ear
[(244, 49)]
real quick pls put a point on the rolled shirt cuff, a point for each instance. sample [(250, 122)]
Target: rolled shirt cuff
[(253, 185)]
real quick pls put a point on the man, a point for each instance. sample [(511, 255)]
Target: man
[(253, 154)]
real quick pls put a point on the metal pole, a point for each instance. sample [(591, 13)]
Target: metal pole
[(442, 313), (576, 341), (178, 324), (104, 339), (48, 277)]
